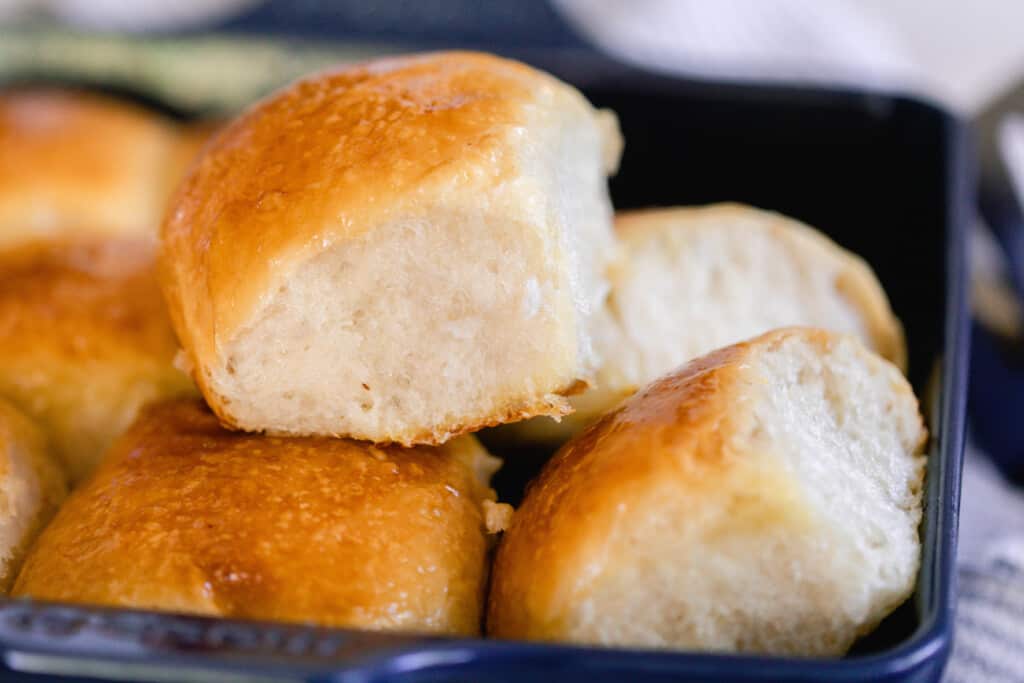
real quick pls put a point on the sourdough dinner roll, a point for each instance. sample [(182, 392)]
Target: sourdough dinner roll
[(31, 488), (84, 341), (399, 251), (695, 279), (73, 163), (764, 498), (186, 516)]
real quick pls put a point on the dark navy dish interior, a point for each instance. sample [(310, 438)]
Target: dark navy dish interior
[(887, 177)]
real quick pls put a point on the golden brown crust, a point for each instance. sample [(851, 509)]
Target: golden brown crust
[(74, 164), (612, 457), (105, 284), (186, 516), (671, 437), (859, 285), (191, 139), (324, 160), (84, 334), (554, 405), (32, 486), (856, 281)]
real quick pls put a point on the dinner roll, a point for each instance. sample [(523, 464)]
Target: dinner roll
[(764, 498), (698, 278), (185, 516), (191, 139), (73, 163), (84, 341), (31, 488), (399, 251)]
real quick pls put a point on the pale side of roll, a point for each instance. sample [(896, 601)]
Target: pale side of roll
[(186, 516), (399, 251), (32, 485), (695, 279), (765, 498)]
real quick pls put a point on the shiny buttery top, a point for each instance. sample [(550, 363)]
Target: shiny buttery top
[(185, 515), (330, 157), (83, 300)]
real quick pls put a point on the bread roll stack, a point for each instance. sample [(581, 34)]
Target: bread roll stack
[(85, 338), (375, 261), (402, 251)]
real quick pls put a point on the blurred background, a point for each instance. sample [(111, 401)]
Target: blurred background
[(210, 57), (965, 54)]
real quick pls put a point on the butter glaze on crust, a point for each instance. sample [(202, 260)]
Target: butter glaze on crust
[(186, 516), (191, 139), (74, 164), (763, 498), (319, 162), (467, 187), (85, 340), (32, 485)]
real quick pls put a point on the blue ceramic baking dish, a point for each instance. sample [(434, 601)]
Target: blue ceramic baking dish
[(886, 176)]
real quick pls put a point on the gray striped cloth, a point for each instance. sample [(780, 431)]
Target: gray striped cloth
[(989, 645), (989, 637)]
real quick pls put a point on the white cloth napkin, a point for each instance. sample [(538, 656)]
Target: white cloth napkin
[(962, 53)]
